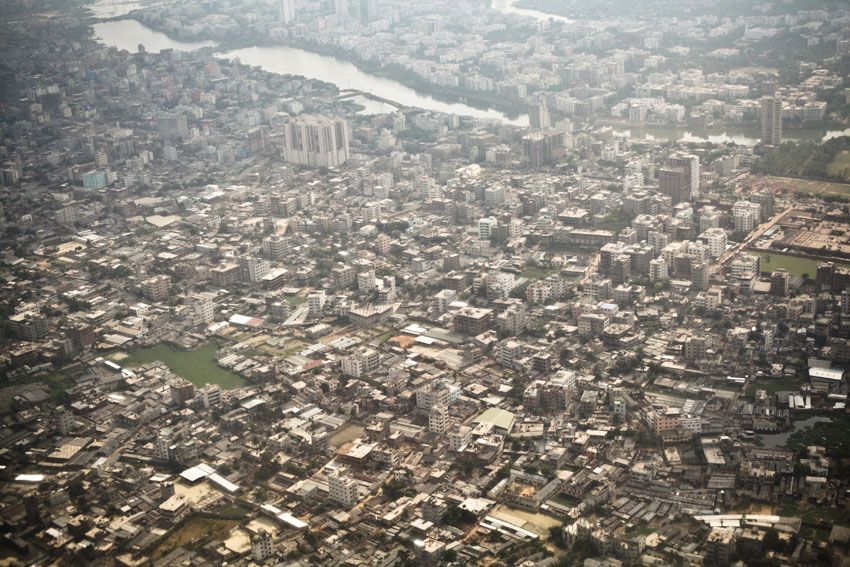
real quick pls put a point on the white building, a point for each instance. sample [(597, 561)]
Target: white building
[(342, 489), (360, 362), (316, 303), (485, 227), (716, 240), (745, 215)]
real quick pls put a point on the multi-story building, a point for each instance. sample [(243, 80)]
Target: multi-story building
[(342, 489), (473, 321), (316, 303), (486, 226), (262, 546), (715, 238), (343, 277), (438, 418), (460, 437), (366, 281), (172, 127), (779, 283), (253, 269), (360, 362), (437, 393), (745, 215), (156, 288)]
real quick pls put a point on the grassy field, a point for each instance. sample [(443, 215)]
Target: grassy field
[(813, 186), (839, 164), (537, 273), (197, 366), (773, 385), (771, 261), (295, 300), (193, 534), (346, 434)]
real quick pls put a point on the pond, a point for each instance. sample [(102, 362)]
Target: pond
[(778, 440), (197, 366)]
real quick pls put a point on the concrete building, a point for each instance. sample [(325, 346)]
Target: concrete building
[(156, 288)]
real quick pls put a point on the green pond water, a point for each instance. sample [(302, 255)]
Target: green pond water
[(197, 366)]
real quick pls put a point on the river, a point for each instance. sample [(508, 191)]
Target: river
[(741, 135), (128, 34), (345, 75), (509, 7)]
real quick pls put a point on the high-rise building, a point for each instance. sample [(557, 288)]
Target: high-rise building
[(538, 117), (172, 127), (341, 8), (679, 177), (771, 120), (316, 141), (368, 10), (286, 11)]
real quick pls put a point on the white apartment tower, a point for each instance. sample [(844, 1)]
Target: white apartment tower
[(286, 11), (771, 120), (342, 489), (316, 141)]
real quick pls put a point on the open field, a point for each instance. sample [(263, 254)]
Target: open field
[(538, 523), (839, 164), (823, 188), (795, 266)]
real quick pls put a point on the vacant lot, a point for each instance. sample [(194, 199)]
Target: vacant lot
[(193, 534), (536, 522)]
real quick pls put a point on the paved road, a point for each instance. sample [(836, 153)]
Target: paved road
[(755, 235)]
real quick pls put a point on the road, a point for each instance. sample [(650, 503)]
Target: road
[(753, 236)]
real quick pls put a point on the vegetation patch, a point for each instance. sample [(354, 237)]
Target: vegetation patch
[(828, 161)]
